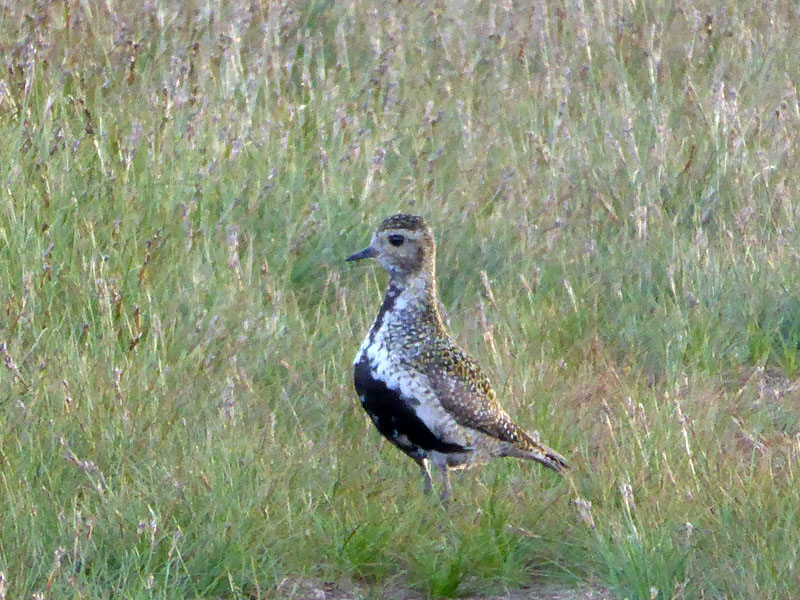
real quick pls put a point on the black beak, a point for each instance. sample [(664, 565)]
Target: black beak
[(365, 253)]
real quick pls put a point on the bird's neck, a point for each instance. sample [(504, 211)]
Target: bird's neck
[(414, 295)]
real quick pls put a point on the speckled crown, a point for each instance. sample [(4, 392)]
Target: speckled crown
[(408, 222)]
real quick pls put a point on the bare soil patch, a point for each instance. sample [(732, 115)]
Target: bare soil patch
[(313, 589)]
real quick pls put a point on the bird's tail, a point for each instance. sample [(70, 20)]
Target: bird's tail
[(533, 450)]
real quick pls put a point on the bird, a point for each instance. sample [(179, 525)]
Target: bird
[(420, 390)]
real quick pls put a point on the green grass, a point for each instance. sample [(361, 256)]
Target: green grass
[(181, 182)]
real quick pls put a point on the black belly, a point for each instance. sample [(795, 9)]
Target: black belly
[(395, 417)]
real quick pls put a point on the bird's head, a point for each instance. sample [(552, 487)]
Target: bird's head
[(403, 245)]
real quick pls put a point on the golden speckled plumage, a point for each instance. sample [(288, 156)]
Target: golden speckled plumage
[(406, 222), (423, 392)]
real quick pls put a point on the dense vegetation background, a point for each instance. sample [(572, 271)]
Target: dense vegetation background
[(614, 187)]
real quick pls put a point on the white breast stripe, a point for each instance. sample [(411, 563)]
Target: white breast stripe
[(412, 385)]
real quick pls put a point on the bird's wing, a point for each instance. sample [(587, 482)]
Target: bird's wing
[(465, 392)]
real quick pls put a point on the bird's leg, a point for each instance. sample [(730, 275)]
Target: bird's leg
[(426, 474), (447, 489)]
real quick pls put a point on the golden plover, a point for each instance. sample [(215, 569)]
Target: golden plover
[(423, 393)]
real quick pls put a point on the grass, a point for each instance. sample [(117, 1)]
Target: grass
[(614, 190)]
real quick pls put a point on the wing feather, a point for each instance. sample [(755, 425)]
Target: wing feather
[(466, 393)]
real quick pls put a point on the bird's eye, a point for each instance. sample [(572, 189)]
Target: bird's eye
[(396, 239)]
